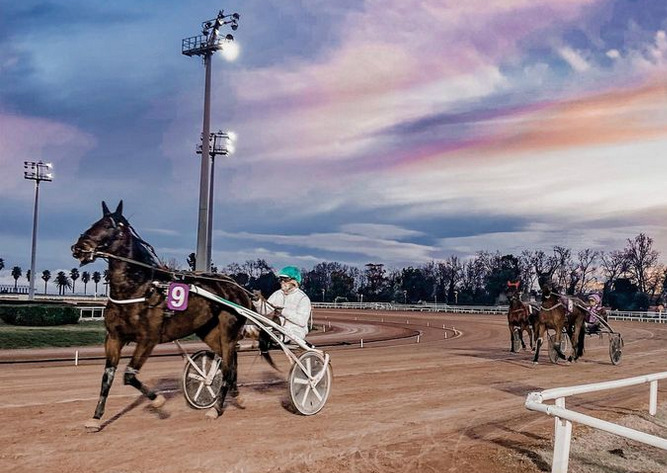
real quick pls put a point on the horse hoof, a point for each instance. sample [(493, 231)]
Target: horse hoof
[(93, 425), (212, 413), (158, 402), (239, 402), (534, 363)]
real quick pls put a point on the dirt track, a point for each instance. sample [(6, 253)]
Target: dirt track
[(444, 405)]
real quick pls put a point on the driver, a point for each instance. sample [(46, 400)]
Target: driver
[(291, 303), (595, 311)]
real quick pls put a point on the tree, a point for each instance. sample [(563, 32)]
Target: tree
[(16, 274), (62, 282), (614, 265), (375, 285), (2, 264), (500, 269), (641, 257), (586, 268), (106, 275), (28, 274), (46, 275), (85, 278), (415, 285), (74, 274), (97, 277)]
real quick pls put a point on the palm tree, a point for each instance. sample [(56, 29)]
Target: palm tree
[(85, 277), (46, 275), (63, 282), (16, 274), (97, 277), (74, 274)]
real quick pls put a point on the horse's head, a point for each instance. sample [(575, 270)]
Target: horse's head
[(512, 287), (103, 235), (546, 284)]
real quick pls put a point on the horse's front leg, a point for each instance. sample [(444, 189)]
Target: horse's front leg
[(112, 348), (512, 329), (139, 357), (578, 335), (540, 331), (523, 344), (531, 336)]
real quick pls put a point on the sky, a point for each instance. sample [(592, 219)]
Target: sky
[(383, 131)]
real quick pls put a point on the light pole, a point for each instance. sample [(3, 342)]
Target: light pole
[(220, 143), (456, 297), (37, 172), (205, 45)]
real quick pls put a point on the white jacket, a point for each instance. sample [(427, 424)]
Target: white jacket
[(295, 310)]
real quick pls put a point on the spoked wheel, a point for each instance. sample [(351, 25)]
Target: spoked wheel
[(202, 379), (565, 347), (516, 341), (309, 389), (615, 348)]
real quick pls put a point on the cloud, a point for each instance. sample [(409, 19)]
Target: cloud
[(33, 139), (341, 243), (574, 59)]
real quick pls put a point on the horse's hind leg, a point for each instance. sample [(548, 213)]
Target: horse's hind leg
[(112, 347), (139, 357), (228, 367)]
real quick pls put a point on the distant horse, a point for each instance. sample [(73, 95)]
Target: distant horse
[(520, 317), (137, 310), (558, 313)]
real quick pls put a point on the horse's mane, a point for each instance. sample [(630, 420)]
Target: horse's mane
[(144, 250)]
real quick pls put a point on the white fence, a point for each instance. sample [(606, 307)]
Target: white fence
[(564, 417)]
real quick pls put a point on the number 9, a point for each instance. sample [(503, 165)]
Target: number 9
[(177, 296)]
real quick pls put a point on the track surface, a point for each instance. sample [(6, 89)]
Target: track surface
[(444, 404)]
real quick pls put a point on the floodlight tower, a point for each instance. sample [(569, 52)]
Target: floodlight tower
[(205, 45), (35, 171), (221, 143)]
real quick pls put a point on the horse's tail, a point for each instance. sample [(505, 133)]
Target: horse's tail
[(264, 346)]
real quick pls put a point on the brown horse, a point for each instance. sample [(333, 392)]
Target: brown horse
[(137, 309), (520, 316), (558, 313)]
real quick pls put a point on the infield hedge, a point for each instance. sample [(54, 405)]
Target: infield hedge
[(38, 315)]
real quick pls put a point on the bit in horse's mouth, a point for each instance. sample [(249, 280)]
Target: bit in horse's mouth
[(84, 256)]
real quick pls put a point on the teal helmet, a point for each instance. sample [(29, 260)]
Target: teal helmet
[(291, 272)]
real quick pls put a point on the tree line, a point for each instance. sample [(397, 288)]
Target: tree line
[(63, 281), (627, 279)]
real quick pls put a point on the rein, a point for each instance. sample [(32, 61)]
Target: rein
[(174, 274)]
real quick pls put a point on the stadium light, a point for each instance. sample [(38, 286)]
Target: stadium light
[(205, 45), (35, 171)]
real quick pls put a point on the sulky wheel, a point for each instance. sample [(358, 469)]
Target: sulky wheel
[(615, 348), (309, 396), (202, 379), (516, 341)]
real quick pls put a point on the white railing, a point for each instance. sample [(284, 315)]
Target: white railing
[(564, 417)]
